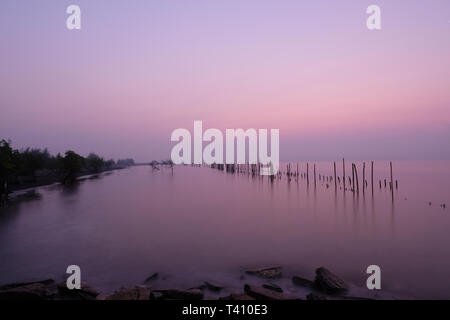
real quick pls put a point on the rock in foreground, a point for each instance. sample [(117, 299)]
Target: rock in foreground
[(136, 293), (299, 281), (272, 286), (213, 286), (268, 272), (86, 292), (263, 294), (37, 290), (152, 277), (328, 282)]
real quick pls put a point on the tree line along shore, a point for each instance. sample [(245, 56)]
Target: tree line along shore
[(30, 167)]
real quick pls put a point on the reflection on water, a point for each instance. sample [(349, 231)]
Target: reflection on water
[(194, 223)]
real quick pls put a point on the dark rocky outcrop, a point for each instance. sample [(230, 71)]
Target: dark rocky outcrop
[(300, 281), (174, 294), (272, 286), (46, 290), (213, 286), (136, 293), (328, 282), (152, 277), (268, 272), (263, 294), (199, 287), (37, 290), (326, 286), (86, 292)]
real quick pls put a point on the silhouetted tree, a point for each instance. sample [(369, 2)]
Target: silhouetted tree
[(110, 163), (72, 164), (94, 162), (31, 160), (16, 167), (8, 160)]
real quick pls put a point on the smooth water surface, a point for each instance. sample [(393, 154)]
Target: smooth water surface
[(198, 223)]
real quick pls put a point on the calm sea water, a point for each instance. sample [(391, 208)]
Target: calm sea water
[(199, 224)]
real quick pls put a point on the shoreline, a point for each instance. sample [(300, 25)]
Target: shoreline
[(267, 283), (23, 187)]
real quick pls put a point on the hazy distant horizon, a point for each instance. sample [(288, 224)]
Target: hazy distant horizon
[(137, 71)]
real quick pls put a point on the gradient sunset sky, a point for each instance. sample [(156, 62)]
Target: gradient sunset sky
[(139, 69)]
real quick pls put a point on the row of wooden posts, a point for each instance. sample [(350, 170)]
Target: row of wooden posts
[(254, 169), (354, 181)]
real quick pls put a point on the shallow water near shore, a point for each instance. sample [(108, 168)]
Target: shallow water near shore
[(197, 224)]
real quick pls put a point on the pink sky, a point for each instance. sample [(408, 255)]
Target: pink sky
[(138, 70)]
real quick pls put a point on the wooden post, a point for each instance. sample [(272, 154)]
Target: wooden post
[(314, 174), (307, 173), (392, 183), (335, 182), (343, 170), (371, 172), (353, 176), (364, 176), (357, 180), (289, 179)]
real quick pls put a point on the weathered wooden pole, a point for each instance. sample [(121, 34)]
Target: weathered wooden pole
[(364, 176), (392, 183), (289, 179), (357, 180), (314, 174), (307, 173), (371, 173), (343, 170), (353, 176), (335, 182)]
